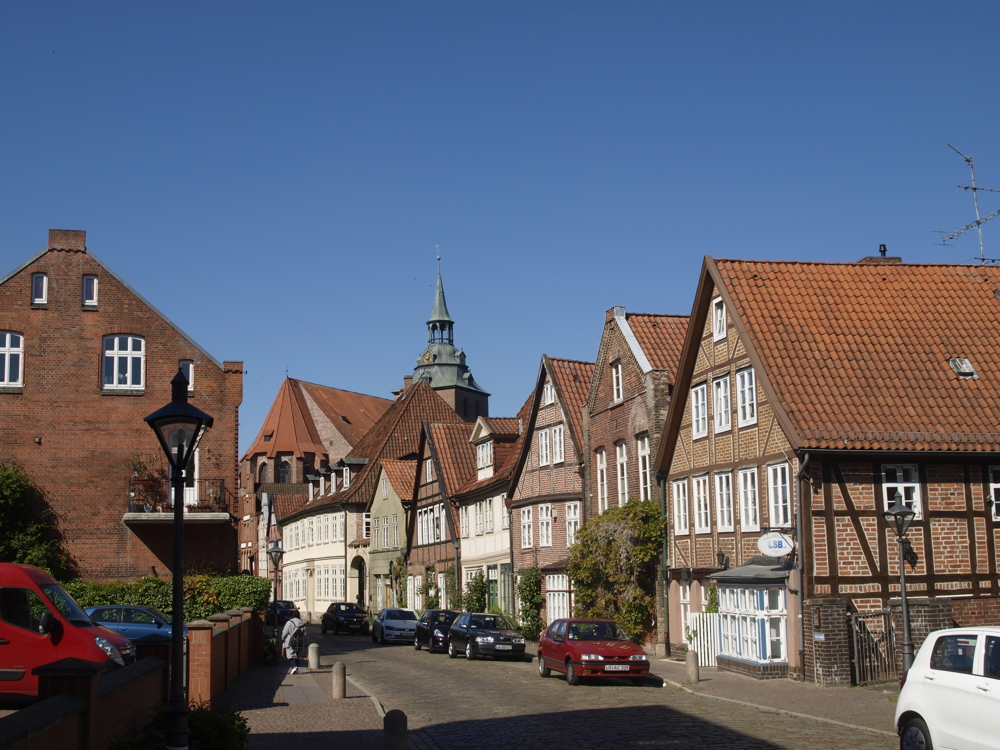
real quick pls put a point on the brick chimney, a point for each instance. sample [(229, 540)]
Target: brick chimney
[(74, 240)]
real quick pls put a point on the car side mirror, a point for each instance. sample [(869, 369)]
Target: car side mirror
[(159, 624), (47, 623)]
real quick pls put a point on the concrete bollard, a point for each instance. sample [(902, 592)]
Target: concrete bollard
[(339, 681), (692, 665), (313, 656), (394, 729)]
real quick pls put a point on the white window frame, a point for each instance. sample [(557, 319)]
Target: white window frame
[(557, 597), (558, 445), (616, 381), (39, 288), (489, 515), (545, 525), (89, 296), (720, 404), (746, 397), (484, 454), (428, 471), (724, 500), (347, 477), (994, 477), (395, 530), (779, 496), (385, 532), (133, 358), (504, 515), (8, 351), (311, 534), (642, 450), (548, 394), (699, 410), (374, 531), (385, 488), (602, 480), (906, 479), (543, 447), (526, 531), (718, 319), (743, 612), (463, 520), (572, 522), (749, 499), (702, 505), (679, 490), (621, 464), (187, 367), (479, 518)]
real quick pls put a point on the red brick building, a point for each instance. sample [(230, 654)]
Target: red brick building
[(84, 359)]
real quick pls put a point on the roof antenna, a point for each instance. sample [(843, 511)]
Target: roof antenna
[(980, 220)]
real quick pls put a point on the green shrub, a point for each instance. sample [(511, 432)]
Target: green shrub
[(30, 536), (529, 591), (476, 590)]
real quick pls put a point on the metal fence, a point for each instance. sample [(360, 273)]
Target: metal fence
[(873, 648)]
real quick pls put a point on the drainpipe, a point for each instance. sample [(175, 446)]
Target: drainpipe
[(661, 478), (799, 563)]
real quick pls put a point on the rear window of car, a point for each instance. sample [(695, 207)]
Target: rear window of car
[(993, 657), (286, 605), (399, 614), (954, 653)]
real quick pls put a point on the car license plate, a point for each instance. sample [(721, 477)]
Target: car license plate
[(503, 647), (616, 667), (354, 625)]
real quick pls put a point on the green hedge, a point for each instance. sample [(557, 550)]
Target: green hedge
[(203, 595)]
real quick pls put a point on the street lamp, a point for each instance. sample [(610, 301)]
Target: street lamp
[(899, 517), (179, 428), (275, 552)]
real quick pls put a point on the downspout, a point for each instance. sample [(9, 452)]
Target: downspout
[(799, 566), (661, 478)]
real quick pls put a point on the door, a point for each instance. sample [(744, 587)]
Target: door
[(492, 598), (22, 647), (949, 691), (555, 648), (137, 623), (987, 698)]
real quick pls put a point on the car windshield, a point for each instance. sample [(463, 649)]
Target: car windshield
[(66, 605), (351, 609), (285, 605), (596, 631), (444, 618), (399, 614), (490, 622)]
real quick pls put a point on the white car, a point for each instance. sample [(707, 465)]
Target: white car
[(951, 695), (395, 624)]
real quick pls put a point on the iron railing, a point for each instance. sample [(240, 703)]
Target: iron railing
[(200, 496)]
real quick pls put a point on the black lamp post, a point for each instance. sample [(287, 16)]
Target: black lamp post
[(275, 552), (179, 428), (899, 517)]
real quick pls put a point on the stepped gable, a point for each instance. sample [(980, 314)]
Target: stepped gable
[(455, 454), (572, 380), (289, 426), (859, 354), (661, 338), (504, 461), (402, 476)]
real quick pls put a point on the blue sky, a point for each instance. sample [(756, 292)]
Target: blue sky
[(275, 177)]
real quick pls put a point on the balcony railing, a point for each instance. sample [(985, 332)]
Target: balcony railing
[(200, 496)]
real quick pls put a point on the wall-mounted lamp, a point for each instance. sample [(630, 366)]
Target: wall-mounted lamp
[(38, 441)]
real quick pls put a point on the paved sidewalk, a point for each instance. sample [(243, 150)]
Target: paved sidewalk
[(871, 707)]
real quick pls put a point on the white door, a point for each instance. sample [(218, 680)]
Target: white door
[(987, 697), (948, 688)]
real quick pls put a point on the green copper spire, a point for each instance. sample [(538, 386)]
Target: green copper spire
[(440, 312)]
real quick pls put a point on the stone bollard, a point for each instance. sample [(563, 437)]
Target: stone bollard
[(313, 656), (692, 665), (394, 730), (339, 681)]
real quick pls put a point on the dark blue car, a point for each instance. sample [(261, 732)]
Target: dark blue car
[(131, 621)]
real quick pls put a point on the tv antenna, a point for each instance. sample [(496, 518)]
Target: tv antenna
[(980, 220)]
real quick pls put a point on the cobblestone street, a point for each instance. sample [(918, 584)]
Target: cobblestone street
[(454, 703)]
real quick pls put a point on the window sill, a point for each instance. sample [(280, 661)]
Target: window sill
[(751, 423), (89, 308), (123, 392), (39, 306), (10, 389)]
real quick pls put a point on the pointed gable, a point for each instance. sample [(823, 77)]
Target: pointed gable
[(572, 382), (660, 337), (288, 427), (455, 454), (402, 475)]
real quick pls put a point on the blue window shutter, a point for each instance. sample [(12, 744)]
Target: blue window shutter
[(762, 642), (760, 600)]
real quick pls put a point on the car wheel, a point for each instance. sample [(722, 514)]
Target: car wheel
[(638, 681), (915, 735), (381, 637), (322, 628), (543, 671), (451, 650), (374, 638), (416, 644), (336, 630), (468, 651), (572, 678)]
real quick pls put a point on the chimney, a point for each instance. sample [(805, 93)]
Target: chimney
[(407, 382), (74, 240), (881, 258)]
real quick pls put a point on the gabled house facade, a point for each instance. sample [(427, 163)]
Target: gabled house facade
[(83, 359), (388, 512), (809, 399)]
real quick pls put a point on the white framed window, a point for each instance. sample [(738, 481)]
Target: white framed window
[(89, 290), (463, 519), (724, 500), (545, 525), (418, 592), (385, 532), (368, 525), (484, 454), (11, 356), (749, 503), (718, 319), (395, 530), (753, 623), (311, 538), (602, 481), (489, 515), (680, 494), (616, 380), (347, 477), (479, 518), (699, 411), (902, 478), (439, 521), (428, 471), (642, 449), (702, 511), (621, 460), (124, 362), (572, 522), (39, 288), (526, 530), (746, 398), (558, 447), (548, 394), (543, 448), (442, 587), (385, 488), (994, 497), (341, 520), (186, 366), (720, 403), (685, 602), (779, 501), (557, 597), (504, 515), (375, 528)]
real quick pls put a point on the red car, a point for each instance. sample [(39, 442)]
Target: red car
[(591, 648)]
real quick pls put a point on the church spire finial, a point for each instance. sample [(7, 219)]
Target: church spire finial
[(440, 312)]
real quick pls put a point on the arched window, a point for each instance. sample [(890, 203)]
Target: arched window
[(285, 472), (262, 475), (11, 351)]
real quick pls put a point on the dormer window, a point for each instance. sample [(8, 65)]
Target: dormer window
[(718, 319), (39, 288), (347, 477), (484, 454)]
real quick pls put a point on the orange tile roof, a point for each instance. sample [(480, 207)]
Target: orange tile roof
[(505, 455), (858, 354), (661, 337), (402, 476), (455, 454), (572, 380), (352, 414)]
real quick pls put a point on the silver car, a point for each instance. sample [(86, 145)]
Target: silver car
[(394, 624)]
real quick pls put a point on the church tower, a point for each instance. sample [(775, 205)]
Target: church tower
[(442, 364)]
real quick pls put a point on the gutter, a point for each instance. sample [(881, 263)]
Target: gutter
[(661, 479), (799, 566)]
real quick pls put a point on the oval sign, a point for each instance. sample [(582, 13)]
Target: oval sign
[(775, 544)]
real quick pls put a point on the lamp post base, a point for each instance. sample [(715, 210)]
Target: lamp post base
[(176, 727)]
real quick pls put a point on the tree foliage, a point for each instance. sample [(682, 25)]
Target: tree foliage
[(476, 590), (529, 593), (613, 565), (29, 534)]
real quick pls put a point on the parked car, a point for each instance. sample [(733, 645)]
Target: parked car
[(432, 629), (133, 622), (950, 697), (481, 634), (590, 648), (286, 611), (40, 623), (344, 617), (393, 624)]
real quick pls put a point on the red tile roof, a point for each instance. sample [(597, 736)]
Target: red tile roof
[(572, 381), (661, 338), (505, 455), (858, 354), (352, 414), (402, 476), (455, 454)]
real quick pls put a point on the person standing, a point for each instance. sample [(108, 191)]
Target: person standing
[(294, 641)]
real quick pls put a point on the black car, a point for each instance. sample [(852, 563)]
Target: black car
[(344, 617), (432, 629), (286, 611), (485, 635)]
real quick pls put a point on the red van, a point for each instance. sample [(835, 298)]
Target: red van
[(40, 623)]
